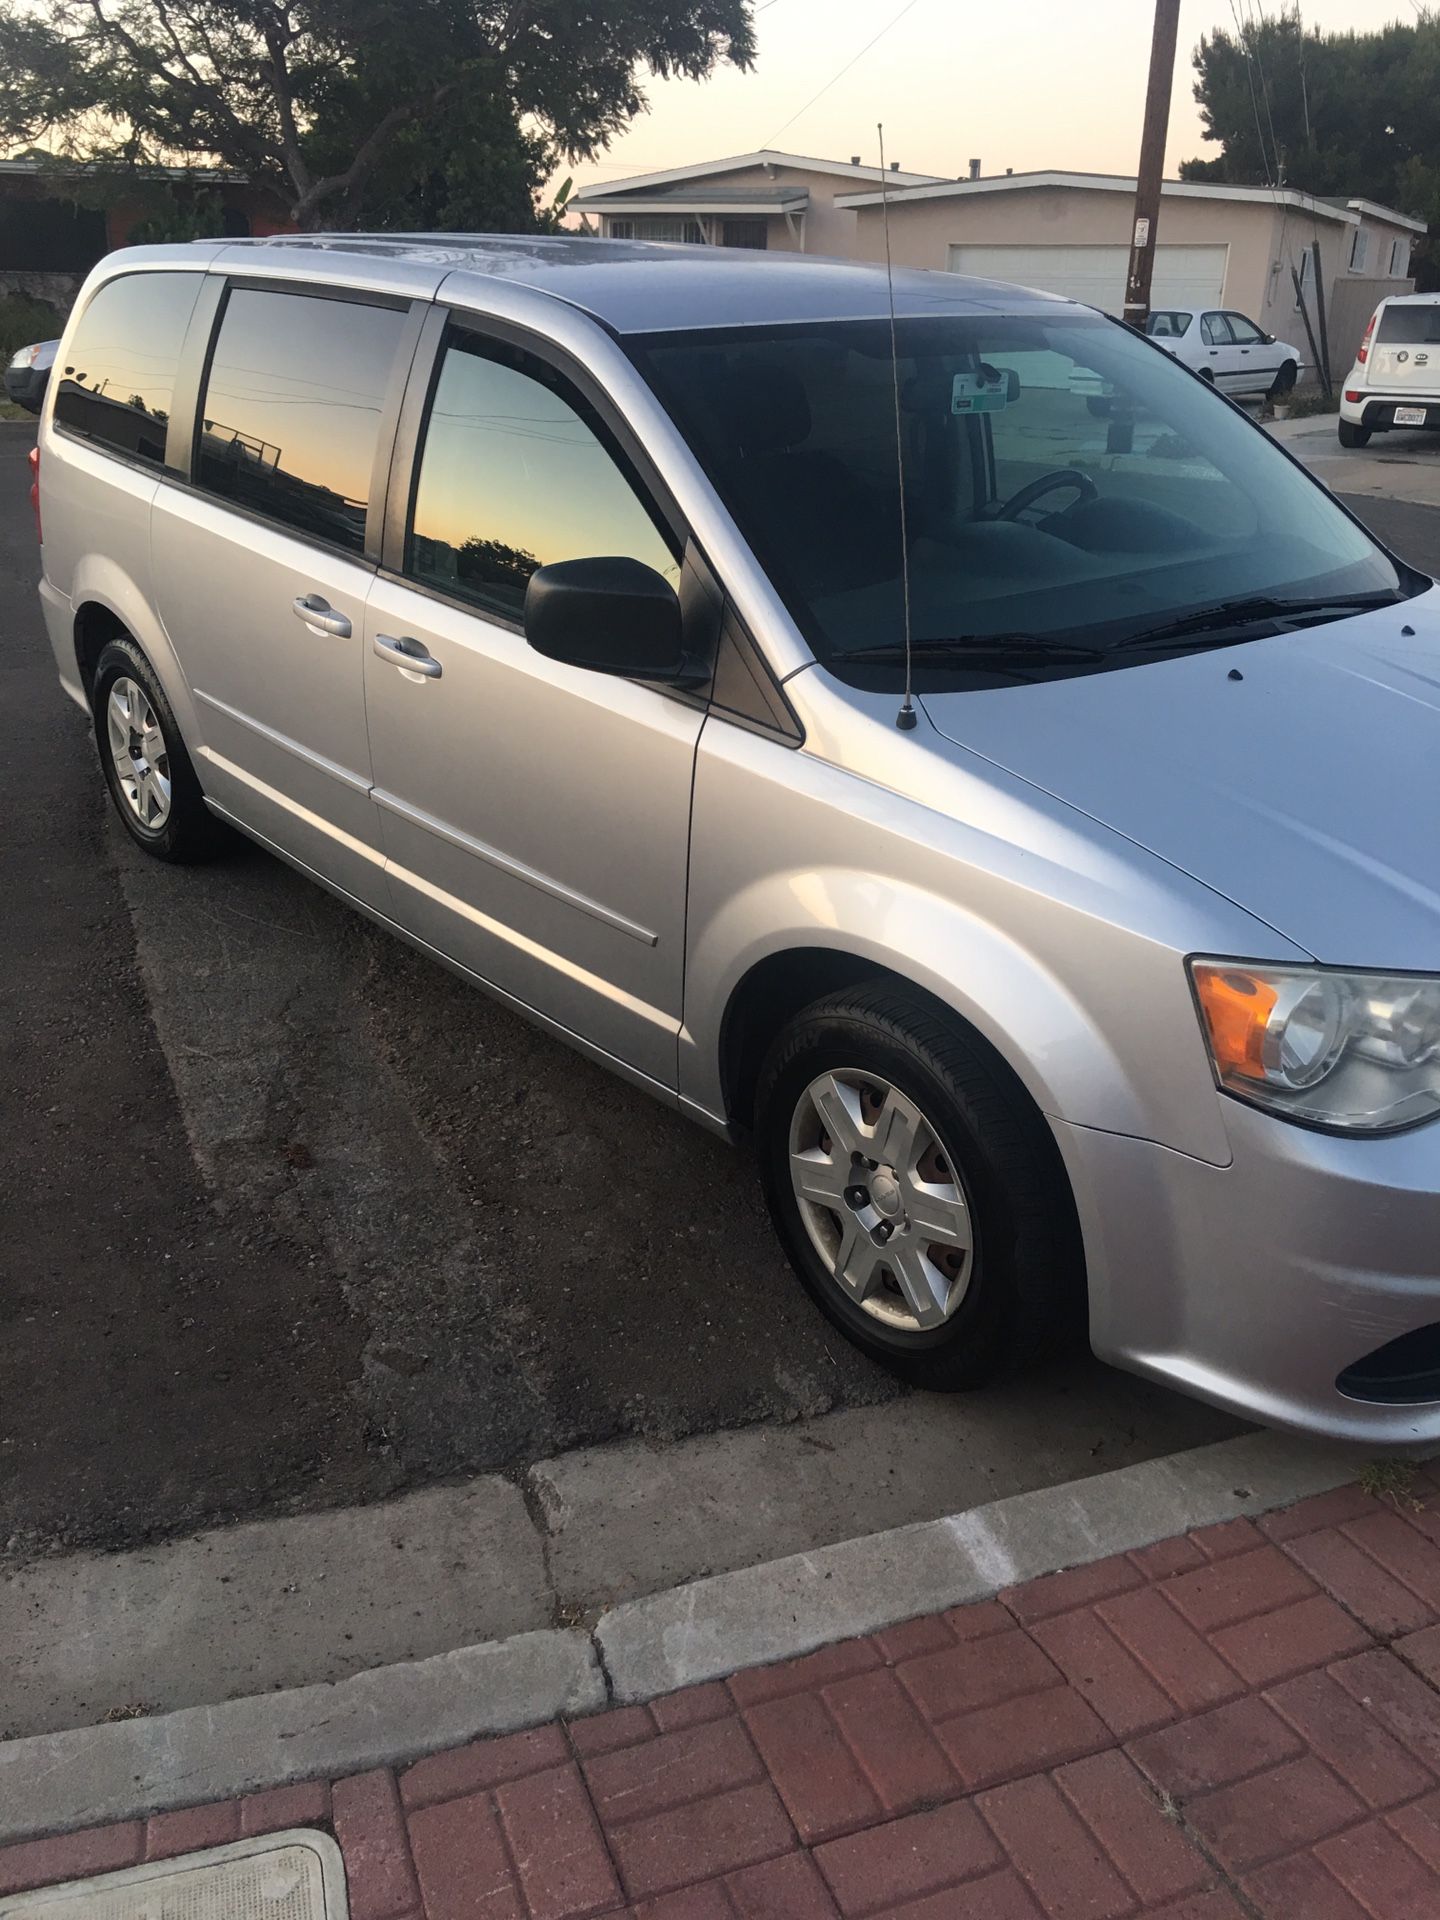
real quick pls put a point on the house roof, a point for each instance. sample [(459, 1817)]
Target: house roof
[(719, 199), (1378, 212), (766, 156), (1347, 211), (47, 164)]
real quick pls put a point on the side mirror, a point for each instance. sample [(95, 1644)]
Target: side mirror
[(611, 615), (1269, 339)]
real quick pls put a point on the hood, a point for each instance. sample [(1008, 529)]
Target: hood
[(1307, 791)]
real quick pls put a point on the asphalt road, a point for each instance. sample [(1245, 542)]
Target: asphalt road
[(295, 1219)]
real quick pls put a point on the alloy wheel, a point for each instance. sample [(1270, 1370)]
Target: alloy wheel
[(138, 753), (881, 1199)]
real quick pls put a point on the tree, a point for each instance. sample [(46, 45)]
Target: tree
[(1340, 113), (323, 101)]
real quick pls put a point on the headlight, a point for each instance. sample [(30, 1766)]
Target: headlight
[(1354, 1051)]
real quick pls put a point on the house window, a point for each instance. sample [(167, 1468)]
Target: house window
[(746, 233), (1399, 259), (1359, 248), (659, 226)]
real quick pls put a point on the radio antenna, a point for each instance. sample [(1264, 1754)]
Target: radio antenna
[(905, 718)]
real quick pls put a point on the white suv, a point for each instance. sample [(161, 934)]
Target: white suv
[(1395, 381)]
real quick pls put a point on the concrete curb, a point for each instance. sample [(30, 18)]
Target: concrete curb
[(56, 1782), (60, 1781), (789, 1607)]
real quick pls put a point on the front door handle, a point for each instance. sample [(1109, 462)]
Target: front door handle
[(316, 611), (407, 654)]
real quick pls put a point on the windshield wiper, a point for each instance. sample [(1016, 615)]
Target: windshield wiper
[(1000, 651), (1244, 613)]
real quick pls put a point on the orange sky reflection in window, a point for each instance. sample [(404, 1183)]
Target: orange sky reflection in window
[(507, 460)]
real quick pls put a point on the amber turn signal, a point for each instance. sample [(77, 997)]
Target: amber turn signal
[(1237, 1007)]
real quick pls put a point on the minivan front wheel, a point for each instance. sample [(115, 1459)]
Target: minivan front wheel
[(147, 769), (919, 1197)]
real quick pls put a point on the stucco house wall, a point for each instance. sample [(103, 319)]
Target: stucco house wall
[(1262, 237)]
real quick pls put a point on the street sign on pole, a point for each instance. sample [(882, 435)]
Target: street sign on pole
[(1152, 162)]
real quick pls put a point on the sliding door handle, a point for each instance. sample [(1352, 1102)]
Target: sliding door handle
[(407, 654), (316, 611)]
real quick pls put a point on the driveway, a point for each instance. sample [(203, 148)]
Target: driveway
[(1403, 467), (296, 1220)]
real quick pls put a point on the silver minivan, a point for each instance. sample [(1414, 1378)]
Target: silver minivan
[(1075, 965)]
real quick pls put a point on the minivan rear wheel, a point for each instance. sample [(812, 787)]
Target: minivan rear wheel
[(918, 1195), (1354, 436), (147, 769)]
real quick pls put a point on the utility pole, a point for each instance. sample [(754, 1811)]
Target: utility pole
[(1152, 162)]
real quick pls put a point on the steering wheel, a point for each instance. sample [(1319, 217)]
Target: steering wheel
[(1048, 483)]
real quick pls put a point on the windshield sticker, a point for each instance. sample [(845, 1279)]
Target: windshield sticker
[(984, 391)]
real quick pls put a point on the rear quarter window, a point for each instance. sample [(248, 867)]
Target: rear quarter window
[(117, 376)]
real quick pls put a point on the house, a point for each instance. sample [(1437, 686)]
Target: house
[(49, 241), (1217, 246), (762, 200)]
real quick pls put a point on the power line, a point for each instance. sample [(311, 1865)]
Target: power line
[(1258, 13), (1244, 44), (909, 4)]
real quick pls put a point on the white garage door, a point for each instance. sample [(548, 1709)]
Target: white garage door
[(1184, 276)]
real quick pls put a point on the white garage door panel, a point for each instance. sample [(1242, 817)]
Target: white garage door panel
[(1184, 276)]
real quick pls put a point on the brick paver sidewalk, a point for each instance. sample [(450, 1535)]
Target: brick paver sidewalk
[(1243, 1721)]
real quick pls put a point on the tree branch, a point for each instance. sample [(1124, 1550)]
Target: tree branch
[(209, 95), (299, 172), (368, 152)]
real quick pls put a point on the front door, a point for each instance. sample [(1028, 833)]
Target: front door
[(1257, 359), (536, 816), (262, 577)]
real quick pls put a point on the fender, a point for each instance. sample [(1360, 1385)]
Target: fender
[(1063, 946), (100, 582)]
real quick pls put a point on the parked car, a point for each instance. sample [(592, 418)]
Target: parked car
[(1395, 381), (1227, 349), (28, 374), (1077, 963)]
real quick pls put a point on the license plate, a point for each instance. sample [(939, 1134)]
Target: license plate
[(1409, 416)]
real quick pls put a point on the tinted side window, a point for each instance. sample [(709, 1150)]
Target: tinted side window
[(118, 376), (1244, 332), (1215, 330), (291, 410), (516, 472)]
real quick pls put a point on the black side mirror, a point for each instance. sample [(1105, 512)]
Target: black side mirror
[(1269, 339), (612, 615)]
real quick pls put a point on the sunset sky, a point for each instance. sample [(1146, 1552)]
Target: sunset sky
[(1055, 83)]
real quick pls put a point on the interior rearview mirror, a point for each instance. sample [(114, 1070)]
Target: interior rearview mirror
[(612, 615)]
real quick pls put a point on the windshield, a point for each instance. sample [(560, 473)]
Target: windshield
[(1064, 480)]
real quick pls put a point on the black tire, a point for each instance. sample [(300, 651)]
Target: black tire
[(190, 832), (1207, 375), (1026, 1292), (1353, 436), (1284, 381)]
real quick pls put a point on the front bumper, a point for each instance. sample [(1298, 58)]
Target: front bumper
[(1257, 1285), (26, 386)]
